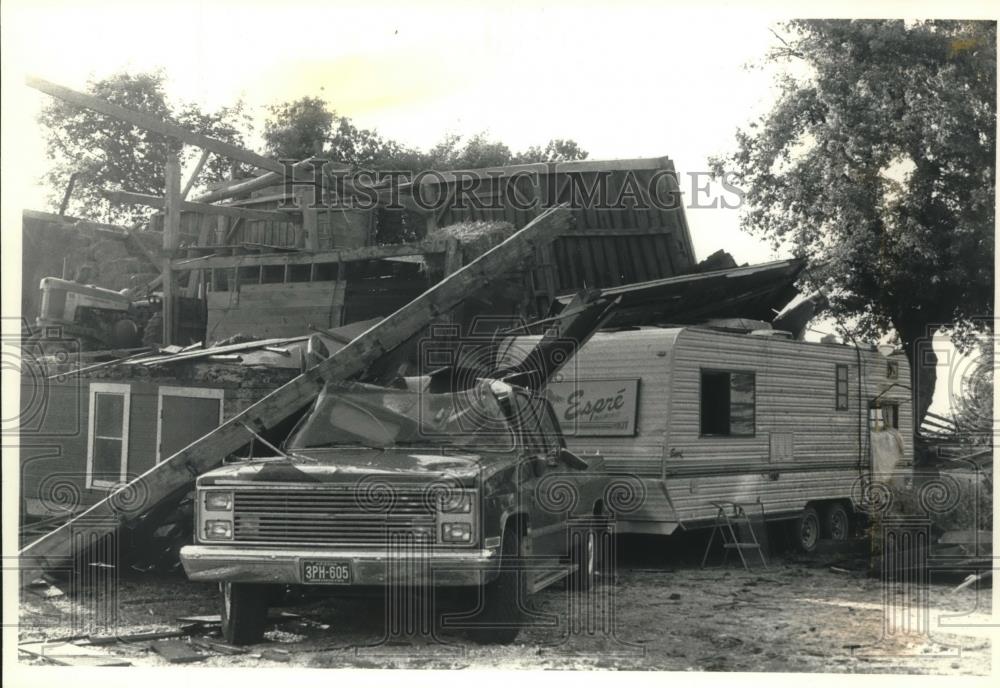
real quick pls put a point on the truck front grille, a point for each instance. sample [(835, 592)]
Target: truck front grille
[(331, 517)]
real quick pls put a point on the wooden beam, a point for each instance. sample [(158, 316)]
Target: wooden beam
[(175, 475), (152, 123), (68, 193), (306, 257), (246, 186), (306, 199), (189, 206), (453, 256), (195, 172), (171, 240)]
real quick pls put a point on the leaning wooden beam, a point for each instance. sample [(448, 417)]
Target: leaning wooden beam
[(152, 123), (307, 258), (174, 476), (245, 213), (243, 187), (194, 173)]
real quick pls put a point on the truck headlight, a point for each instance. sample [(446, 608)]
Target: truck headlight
[(218, 530), (218, 500), (456, 532)]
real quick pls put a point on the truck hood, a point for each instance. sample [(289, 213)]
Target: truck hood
[(350, 465)]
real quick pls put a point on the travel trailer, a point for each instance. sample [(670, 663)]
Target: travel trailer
[(702, 417)]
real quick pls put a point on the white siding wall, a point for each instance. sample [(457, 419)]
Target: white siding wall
[(795, 393)]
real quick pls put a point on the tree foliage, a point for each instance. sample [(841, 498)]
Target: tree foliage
[(106, 153), (876, 163), (308, 126)]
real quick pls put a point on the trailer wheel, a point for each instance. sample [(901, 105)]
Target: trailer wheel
[(505, 597), (244, 612), (805, 530), (836, 522)]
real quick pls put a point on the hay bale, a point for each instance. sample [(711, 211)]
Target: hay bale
[(476, 237)]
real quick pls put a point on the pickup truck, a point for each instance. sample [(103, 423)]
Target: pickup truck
[(473, 491)]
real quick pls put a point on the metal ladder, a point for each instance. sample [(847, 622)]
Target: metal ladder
[(728, 519)]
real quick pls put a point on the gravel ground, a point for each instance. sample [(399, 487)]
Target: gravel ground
[(661, 613)]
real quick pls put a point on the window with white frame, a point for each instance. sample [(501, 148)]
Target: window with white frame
[(107, 436)]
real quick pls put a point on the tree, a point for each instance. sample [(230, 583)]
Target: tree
[(106, 153), (876, 164), (308, 126), (298, 129)]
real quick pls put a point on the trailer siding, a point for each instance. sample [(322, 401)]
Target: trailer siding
[(795, 393)]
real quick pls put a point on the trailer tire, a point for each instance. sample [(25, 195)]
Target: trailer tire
[(244, 612), (504, 598), (806, 529), (836, 522)]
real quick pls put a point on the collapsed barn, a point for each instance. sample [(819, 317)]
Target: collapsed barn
[(268, 290)]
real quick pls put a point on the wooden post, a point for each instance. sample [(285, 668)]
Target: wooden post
[(339, 295), (310, 217), (171, 240), (452, 256)]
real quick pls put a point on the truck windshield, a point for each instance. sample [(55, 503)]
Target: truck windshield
[(353, 415)]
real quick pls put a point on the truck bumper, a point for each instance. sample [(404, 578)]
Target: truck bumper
[(241, 564)]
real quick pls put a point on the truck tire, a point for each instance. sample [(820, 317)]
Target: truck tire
[(836, 522), (244, 612), (805, 530), (505, 597)]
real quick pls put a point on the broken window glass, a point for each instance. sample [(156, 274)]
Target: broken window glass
[(728, 403)]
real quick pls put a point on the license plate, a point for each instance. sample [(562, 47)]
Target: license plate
[(327, 572)]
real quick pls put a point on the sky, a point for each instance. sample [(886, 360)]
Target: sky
[(624, 80)]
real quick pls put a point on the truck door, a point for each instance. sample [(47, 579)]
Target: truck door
[(546, 494)]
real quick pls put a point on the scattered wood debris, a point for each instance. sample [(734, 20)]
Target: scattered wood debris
[(69, 654), (177, 651)]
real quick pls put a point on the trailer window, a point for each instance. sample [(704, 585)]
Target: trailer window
[(841, 387), (883, 417), (728, 403)]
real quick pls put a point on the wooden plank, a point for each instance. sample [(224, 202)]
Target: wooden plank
[(171, 205), (611, 255), (546, 168), (152, 123), (194, 173), (307, 258), (620, 231), (452, 256), (662, 251), (271, 310), (190, 206), (339, 296), (175, 475), (587, 261), (177, 651), (273, 178), (306, 198), (171, 240)]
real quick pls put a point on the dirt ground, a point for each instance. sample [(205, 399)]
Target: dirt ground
[(663, 612)]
